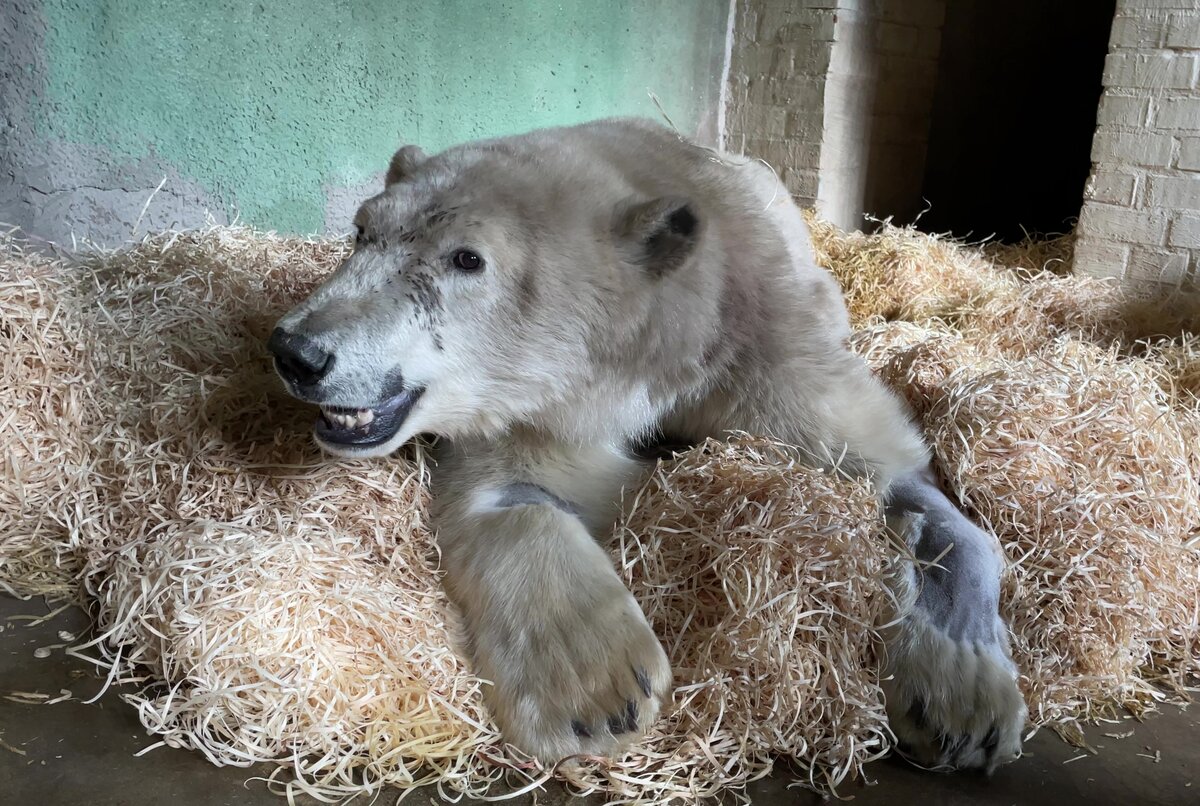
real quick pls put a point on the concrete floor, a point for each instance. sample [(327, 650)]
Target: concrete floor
[(70, 753)]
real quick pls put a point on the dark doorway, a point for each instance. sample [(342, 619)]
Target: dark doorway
[(1014, 112)]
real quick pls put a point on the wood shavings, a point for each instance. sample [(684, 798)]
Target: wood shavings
[(12, 748), (34, 621), (760, 624), (1060, 414), (267, 603)]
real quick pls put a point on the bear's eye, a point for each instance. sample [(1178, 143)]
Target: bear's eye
[(466, 260)]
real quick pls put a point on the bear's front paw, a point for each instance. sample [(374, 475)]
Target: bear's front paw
[(953, 704), (573, 676)]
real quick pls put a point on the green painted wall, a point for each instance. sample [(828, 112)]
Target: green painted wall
[(267, 105)]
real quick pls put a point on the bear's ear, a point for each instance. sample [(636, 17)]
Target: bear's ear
[(403, 163), (659, 234)]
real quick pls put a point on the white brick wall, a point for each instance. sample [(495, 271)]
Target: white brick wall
[(1141, 211), (776, 106), (824, 90), (877, 106)]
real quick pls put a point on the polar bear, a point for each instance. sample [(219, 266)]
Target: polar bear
[(542, 303)]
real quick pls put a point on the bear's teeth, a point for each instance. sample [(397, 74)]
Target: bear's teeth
[(359, 419)]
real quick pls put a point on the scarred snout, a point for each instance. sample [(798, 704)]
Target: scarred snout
[(353, 421)]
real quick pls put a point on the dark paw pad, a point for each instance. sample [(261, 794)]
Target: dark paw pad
[(917, 714), (643, 681), (991, 742), (952, 745), (624, 722)]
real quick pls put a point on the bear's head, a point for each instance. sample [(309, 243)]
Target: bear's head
[(490, 286)]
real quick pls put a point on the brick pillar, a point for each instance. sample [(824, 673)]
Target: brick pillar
[(1141, 211), (835, 95), (777, 73)]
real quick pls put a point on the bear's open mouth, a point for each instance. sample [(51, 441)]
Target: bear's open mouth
[(364, 427)]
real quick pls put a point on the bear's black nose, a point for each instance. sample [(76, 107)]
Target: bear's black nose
[(298, 358)]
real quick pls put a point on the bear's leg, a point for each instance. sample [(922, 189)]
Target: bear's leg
[(951, 687), (574, 667), (950, 682)]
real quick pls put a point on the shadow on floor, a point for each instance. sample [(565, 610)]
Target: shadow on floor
[(71, 753)]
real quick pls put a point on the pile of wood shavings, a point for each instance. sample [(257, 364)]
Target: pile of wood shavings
[(1064, 416), (275, 605)]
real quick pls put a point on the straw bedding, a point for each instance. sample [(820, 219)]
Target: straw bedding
[(270, 604)]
